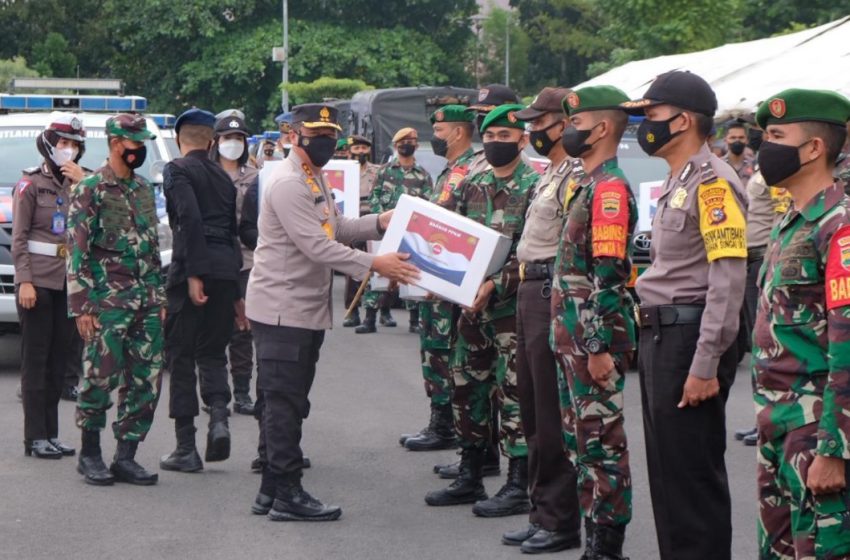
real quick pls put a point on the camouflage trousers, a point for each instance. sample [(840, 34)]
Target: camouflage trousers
[(483, 365), (595, 438), (794, 524), (126, 355), (375, 299), (437, 322)]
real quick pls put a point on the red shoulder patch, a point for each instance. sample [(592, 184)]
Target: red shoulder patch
[(22, 186), (610, 225), (838, 270)]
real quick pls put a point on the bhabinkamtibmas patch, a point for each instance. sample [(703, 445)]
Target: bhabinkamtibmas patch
[(456, 175), (610, 220), (838, 270), (721, 221)]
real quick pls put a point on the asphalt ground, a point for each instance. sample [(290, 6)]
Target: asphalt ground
[(368, 390)]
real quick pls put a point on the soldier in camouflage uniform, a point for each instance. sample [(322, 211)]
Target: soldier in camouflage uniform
[(452, 139), (593, 330), (115, 292), (400, 176), (801, 342), (842, 165), (482, 362)]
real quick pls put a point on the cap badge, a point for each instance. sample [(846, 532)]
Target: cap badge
[(76, 124), (573, 100), (439, 116), (234, 124), (482, 95), (777, 107), (324, 114)]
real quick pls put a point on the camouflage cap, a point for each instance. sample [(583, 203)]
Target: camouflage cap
[(503, 115), (453, 113), (802, 105), (130, 126)]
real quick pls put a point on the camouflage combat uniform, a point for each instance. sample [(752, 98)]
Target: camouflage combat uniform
[(842, 169), (801, 378), (438, 319), (115, 274), (590, 301), (392, 181), (482, 362)]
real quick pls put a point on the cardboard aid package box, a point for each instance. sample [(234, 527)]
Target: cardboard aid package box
[(380, 284), (453, 253)]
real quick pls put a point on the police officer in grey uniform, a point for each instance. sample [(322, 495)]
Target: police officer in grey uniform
[(554, 520), (691, 298), (302, 240)]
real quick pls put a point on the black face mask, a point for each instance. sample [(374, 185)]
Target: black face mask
[(778, 161), (406, 150), (362, 159), (439, 146), (135, 157), (737, 148), (500, 154), (574, 140), (540, 140), (654, 135), (754, 139), (320, 149)]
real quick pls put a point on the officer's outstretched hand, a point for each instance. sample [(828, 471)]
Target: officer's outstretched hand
[(384, 219), (196, 291), (393, 267), (698, 390), (826, 475)]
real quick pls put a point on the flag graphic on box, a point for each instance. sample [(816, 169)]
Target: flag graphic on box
[(438, 249), (336, 182)]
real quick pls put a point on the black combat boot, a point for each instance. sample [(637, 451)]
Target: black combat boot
[(608, 542), (218, 436), (293, 503), (516, 538), (91, 464), (368, 325), (126, 469), (414, 320), (492, 466), (439, 434), (242, 403), (512, 498), (185, 458), (387, 318), (265, 497), (545, 540), (589, 530), (741, 434), (352, 320), (467, 487)]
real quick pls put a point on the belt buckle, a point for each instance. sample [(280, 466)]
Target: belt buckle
[(637, 315), (61, 251), (522, 272)]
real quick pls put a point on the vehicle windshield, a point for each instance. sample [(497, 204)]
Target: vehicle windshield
[(18, 152)]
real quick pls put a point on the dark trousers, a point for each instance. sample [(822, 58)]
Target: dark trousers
[(45, 342), (286, 359), (751, 298), (198, 336), (352, 285), (241, 349), (74, 367), (685, 448), (552, 477)]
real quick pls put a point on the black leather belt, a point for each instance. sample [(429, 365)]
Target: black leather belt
[(756, 253), (654, 316), (218, 233), (536, 271)]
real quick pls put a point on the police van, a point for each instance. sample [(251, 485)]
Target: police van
[(22, 118)]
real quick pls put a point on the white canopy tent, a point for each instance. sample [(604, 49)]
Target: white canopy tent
[(744, 74)]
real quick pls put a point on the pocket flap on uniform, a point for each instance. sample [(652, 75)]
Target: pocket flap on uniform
[(280, 351)]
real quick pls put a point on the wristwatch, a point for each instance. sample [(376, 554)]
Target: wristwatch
[(596, 346)]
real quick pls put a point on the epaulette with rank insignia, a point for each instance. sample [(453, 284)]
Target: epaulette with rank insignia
[(707, 173), (31, 170), (687, 172)]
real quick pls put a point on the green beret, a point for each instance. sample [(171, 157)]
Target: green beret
[(453, 113), (801, 105), (342, 144), (504, 115), (593, 98)]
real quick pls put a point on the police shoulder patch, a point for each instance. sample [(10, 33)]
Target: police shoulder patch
[(610, 220), (22, 186), (838, 269), (721, 221)]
